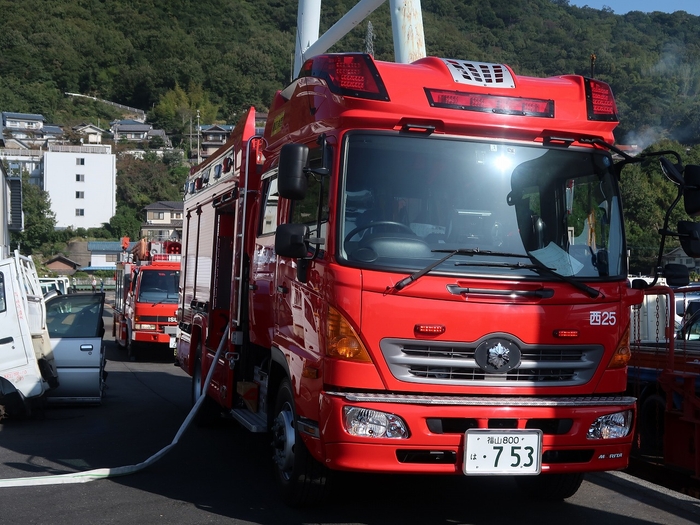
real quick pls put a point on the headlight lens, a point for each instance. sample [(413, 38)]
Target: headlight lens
[(142, 326), (612, 426), (364, 422)]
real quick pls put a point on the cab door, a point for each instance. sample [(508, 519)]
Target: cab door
[(76, 329), (13, 339)]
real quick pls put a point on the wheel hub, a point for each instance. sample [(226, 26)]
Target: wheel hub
[(283, 442)]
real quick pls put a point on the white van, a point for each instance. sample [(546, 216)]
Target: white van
[(62, 284), (27, 366)]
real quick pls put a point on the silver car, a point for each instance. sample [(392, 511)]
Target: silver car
[(76, 329)]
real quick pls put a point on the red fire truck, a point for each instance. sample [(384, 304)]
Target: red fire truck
[(146, 296), (664, 375), (417, 268)]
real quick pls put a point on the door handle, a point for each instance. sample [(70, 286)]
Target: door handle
[(6, 340), (86, 348)]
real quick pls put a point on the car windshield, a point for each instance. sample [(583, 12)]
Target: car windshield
[(408, 200), (158, 286)]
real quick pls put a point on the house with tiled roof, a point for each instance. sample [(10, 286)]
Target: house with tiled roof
[(29, 129), (62, 265), (91, 133), (163, 221), (104, 255), (130, 130), (213, 137)]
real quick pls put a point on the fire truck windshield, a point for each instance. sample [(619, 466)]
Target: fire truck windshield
[(407, 200), (158, 286)]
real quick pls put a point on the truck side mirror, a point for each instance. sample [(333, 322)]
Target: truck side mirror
[(292, 180), (290, 241), (676, 275), (689, 235), (691, 192), (680, 307)]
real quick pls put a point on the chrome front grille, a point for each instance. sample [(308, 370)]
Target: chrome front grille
[(454, 364)]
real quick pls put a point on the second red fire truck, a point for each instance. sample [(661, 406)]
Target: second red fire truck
[(146, 296), (418, 268)]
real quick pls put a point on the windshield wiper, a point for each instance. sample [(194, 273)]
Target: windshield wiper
[(420, 273), (538, 266)]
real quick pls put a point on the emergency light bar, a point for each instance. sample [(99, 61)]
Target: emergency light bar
[(352, 74), (528, 107), (600, 101)]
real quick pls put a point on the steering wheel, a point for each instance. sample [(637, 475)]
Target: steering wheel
[(376, 224)]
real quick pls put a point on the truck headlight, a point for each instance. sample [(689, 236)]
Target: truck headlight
[(612, 426), (364, 422), (143, 326)]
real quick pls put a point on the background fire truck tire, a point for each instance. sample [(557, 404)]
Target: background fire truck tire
[(650, 426), (131, 349), (303, 480), (550, 487), (209, 412)]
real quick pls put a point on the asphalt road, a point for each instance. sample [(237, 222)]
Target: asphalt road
[(222, 474)]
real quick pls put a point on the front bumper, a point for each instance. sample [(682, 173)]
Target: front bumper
[(150, 337), (438, 424)]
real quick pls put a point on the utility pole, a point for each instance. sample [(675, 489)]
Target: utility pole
[(198, 130)]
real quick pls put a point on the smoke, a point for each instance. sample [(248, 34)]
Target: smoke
[(644, 138)]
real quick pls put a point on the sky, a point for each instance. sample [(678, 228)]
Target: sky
[(620, 7)]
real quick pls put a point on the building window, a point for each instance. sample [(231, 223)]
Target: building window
[(157, 215), (177, 215), (111, 257), (79, 177), (79, 194), (79, 212), (80, 162)]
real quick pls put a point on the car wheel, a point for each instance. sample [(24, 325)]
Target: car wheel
[(303, 480), (550, 487)]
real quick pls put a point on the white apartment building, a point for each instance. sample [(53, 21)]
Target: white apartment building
[(82, 184)]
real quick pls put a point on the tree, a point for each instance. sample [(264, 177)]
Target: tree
[(39, 220), (177, 109), (125, 223)]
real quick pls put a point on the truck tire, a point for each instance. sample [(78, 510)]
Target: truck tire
[(303, 480), (209, 412), (550, 487)]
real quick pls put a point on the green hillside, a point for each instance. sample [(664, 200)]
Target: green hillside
[(235, 53), (174, 57)]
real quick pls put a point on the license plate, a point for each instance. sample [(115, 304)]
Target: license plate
[(173, 343), (503, 451)]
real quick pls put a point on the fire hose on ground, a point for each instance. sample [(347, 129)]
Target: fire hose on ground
[(103, 473)]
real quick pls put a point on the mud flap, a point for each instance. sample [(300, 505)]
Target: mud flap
[(49, 374), (12, 402)]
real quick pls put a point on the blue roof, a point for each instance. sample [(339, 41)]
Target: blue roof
[(24, 116), (52, 128), (108, 246)]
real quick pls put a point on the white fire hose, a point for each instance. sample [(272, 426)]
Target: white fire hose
[(103, 473)]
